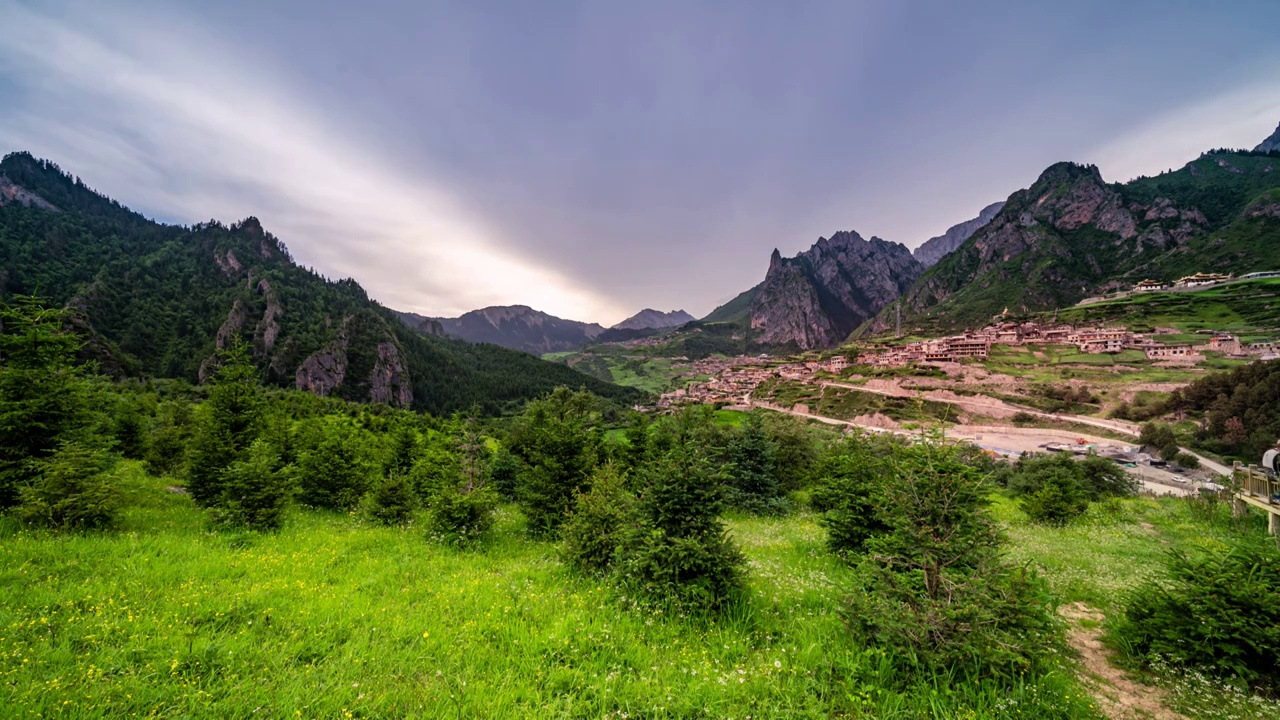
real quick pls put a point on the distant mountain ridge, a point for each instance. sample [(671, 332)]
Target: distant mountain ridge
[(516, 327), (934, 249), (650, 319)]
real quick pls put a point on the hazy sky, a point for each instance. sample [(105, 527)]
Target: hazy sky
[(590, 159)]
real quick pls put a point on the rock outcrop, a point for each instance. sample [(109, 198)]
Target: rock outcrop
[(1271, 144), (936, 248), (650, 319), (11, 192), (820, 296), (362, 341)]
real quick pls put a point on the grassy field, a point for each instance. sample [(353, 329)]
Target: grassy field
[(331, 617)]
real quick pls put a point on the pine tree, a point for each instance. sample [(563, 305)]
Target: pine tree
[(45, 397), (752, 470), (256, 490), (334, 474), (406, 448), (681, 552), (558, 449), (230, 420)]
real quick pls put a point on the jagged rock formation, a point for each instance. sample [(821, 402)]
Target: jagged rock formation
[(936, 248), (421, 323), (336, 369), (650, 319), (1271, 144), (817, 298), (1071, 235), (519, 327)]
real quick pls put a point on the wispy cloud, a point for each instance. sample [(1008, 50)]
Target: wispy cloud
[(177, 124), (1238, 117)]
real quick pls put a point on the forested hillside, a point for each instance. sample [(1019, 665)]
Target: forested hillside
[(159, 300)]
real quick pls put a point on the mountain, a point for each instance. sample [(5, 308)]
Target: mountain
[(1271, 144), (1072, 235), (516, 327), (649, 319), (739, 308), (934, 249), (157, 300), (817, 298)]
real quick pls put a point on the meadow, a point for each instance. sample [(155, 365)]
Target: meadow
[(333, 617)]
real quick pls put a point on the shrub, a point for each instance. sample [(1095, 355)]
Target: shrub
[(558, 449), (256, 490), (392, 500), (752, 473), (73, 488), (334, 474), (933, 591), (229, 421), (504, 472), (1187, 460), (46, 400), (1219, 614), (600, 524), (167, 447), (461, 517), (1024, 418), (848, 495), (1055, 503), (681, 553)]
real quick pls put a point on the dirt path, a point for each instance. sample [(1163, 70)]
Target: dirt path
[(1118, 695)]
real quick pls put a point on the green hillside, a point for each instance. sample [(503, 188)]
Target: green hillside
[(1070, 236), (156, 300), (736, 309), (1250, 309)]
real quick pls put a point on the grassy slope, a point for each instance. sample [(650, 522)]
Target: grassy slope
[(331, 618), (1250, 308)]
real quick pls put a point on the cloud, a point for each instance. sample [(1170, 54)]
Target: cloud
[(1238, 118), (180, 125)]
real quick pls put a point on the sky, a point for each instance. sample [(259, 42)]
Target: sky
[(590, 159)]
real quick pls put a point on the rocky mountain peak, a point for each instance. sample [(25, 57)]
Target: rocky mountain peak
[(1271, 144), (936, 248), (818, 298)]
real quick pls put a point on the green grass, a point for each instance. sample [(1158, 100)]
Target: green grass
[(1240, 308), (332, 617)]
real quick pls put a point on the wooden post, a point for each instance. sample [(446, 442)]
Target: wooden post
[(1239, 508), (1273, 524)]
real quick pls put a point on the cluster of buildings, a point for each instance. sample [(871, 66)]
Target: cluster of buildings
[(733, 379), (1189, 281)]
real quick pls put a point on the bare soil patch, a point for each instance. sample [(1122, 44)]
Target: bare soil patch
[(1119, 696)]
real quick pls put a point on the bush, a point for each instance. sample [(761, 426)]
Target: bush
[(461, 517), (600, 524), (392, 500), (752, 472), (848, 495), (1219, 614), (256, 490), (167, 449), (1187, 460), (681, 553), (933, 590), (558, 449), (334, 474), (1055, 503), (73, 488)]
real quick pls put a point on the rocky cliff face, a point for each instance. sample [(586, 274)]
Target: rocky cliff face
[(520, 328), (934, 249), (650, 319), (1271, 144), (11, 192), (362, 362), (819, 297)]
